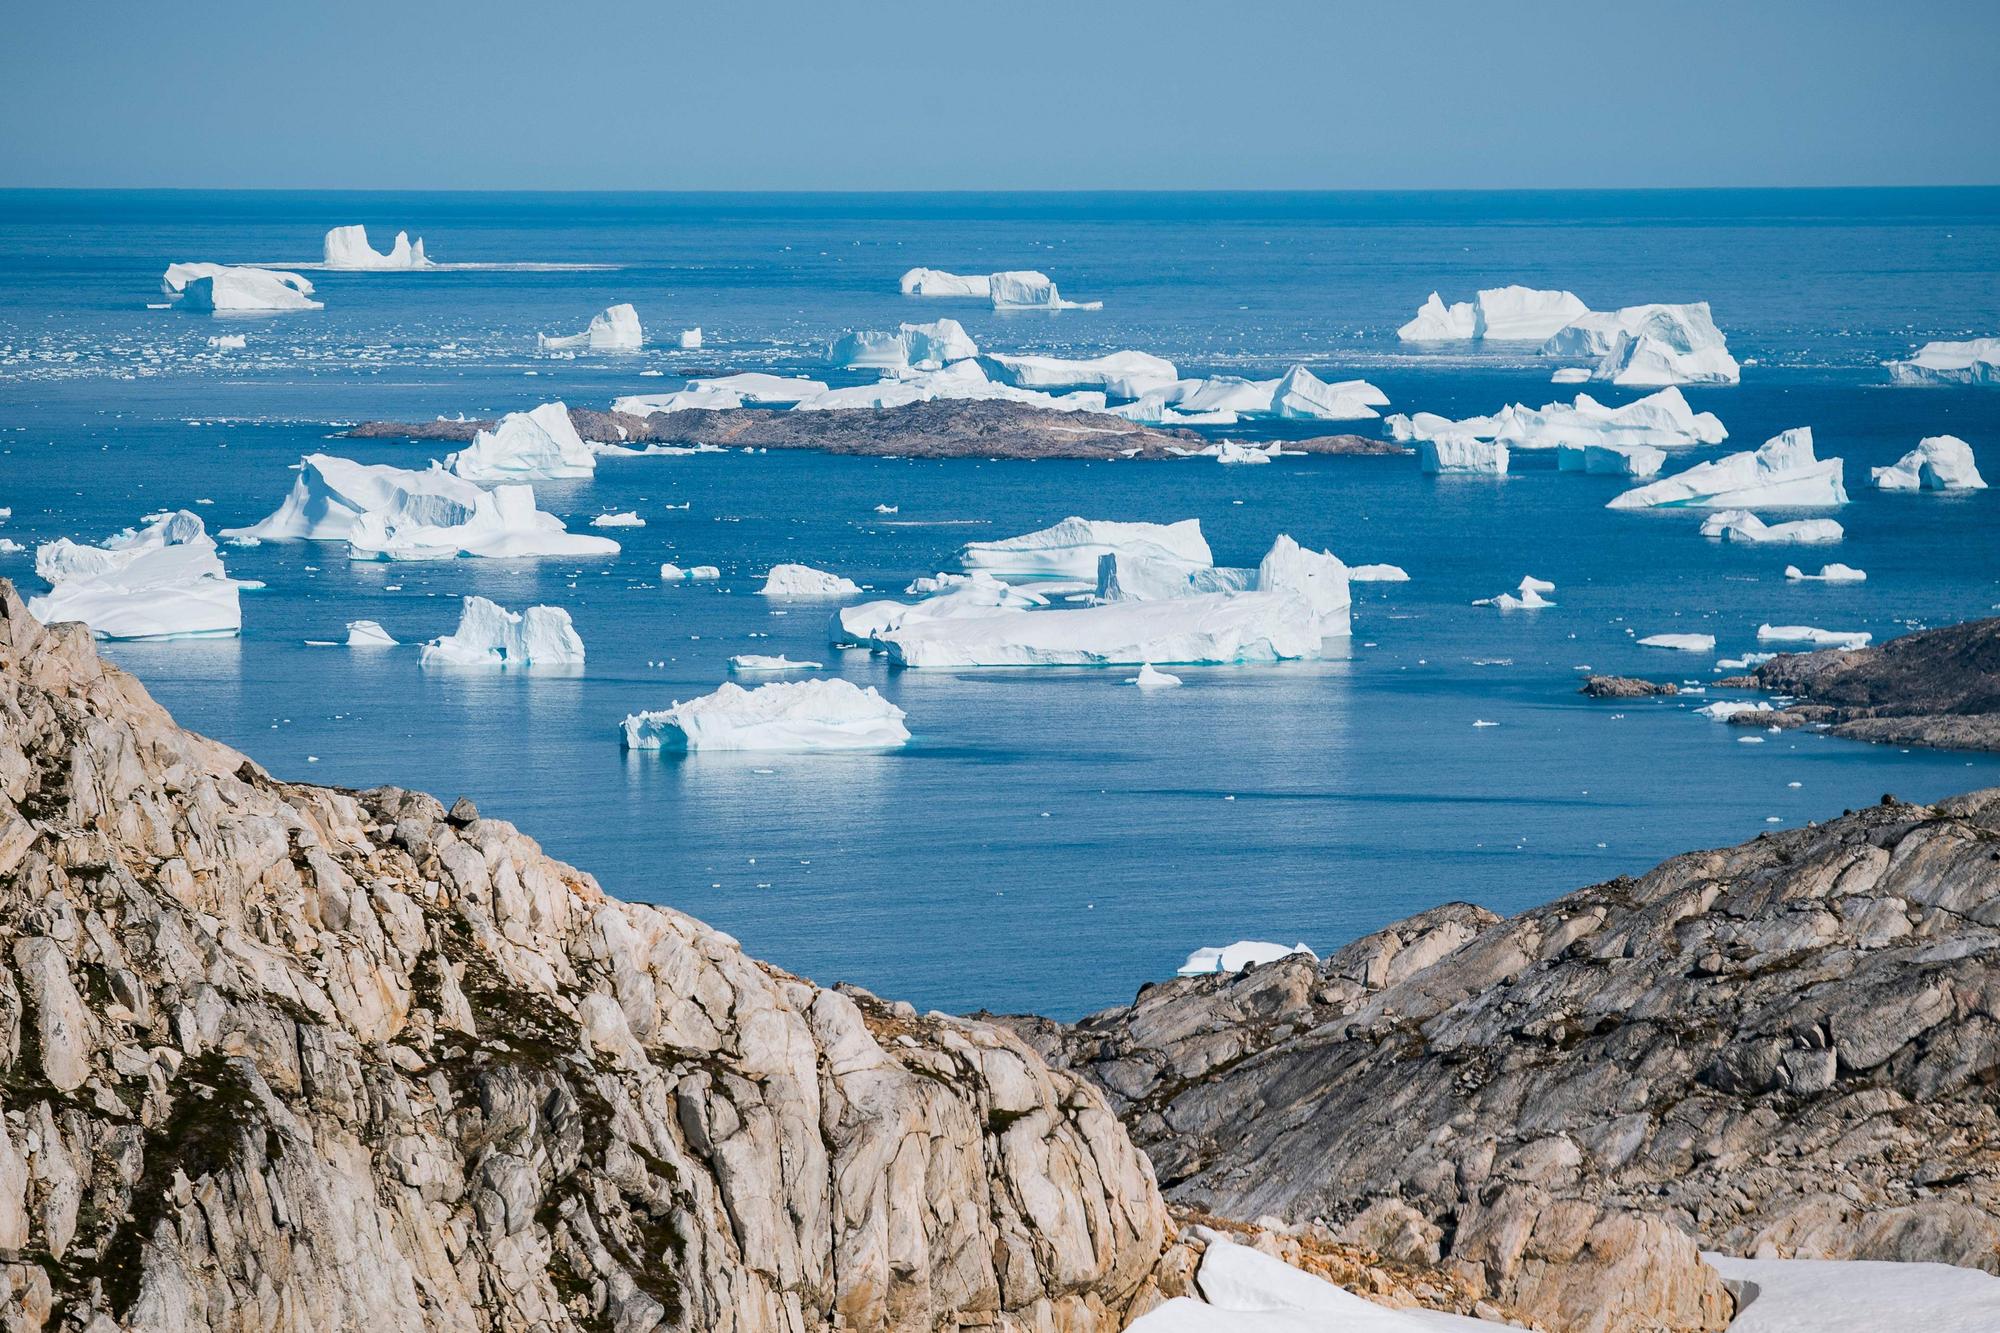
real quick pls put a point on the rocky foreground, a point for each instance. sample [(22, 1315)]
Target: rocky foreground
[(1936, 687), (943, 428)]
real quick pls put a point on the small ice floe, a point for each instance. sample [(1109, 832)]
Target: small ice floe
[(1462, 453), (488, 634), (1528, 598), (1686, 643), (1781, 473), (541, 445), (1235, 957), (615, 329), (1233, 452), (805, 581), (368, 634), (672, 573), (1749, 740), (1377, 574), (1747, 662), (1152, 678), (1611, 460), (162, 581), (1482, 722), (796, 715), (1818, 638), (229, 342), (1724, 709), (1976, 361), (759, 662), (1834, 573), (690, 340), (1497, 314), (229, 289), (1940, 463), (1571, 375), (623, 519), (1740, 525), (888, 509), (348, 248), (8, 546)]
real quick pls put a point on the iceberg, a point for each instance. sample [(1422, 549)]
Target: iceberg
[(1724, 709), (1301, 395), (541, 445), (1637, 461), (1498, 314), (498, 524), (937, 282), (1377, 574), (226, 289), (756, 387), (1122, 374), (1123, 576), (1662, 355), (1818, 638), (1152, 678), (759, 662), (918, 346), (229, 342), (805, 581), (1025, 289), (178, 276), (1939, 463), (645, 404), (1233, 452), (1781, 473), (1235, 957), (368, 634), (888, 393), (624, 519), (971, 596), (1437, 322), (789, 715), (1974, 362), (615, 329), (331, 494), (1462, 453), (1740, 525), (488, 634), (348, 248), (1686, 643), (690, 340), (1072, 548), (162, 581), (1528, 597), (1660, 420), (671, 573), (1834, 573)]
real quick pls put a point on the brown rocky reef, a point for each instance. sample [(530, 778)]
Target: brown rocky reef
[(1790, 1046), (285, 1057), (1936, 687)]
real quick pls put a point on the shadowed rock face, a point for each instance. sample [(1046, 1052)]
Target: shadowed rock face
[(1937, 687), (1790, 1045), (278, 1056)]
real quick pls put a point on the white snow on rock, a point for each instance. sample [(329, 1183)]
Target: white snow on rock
[(690, 340), (1072, 548), (1686, 643), (937, 282), (1528, 597), (1462, 453), (624, 519), (1740, 525), (1025, 289), (1662, 419), (1939, 463), (1834, 573), (348, 248), (1243, 1290), (1857, 1296), (541, 445), (1122, 374), (1151, 677), (615, 329), (162, 581), (761, 662), (230, 289), (757, 387), (498, 524), (488, 634), (805, 581), (786, 715), (1818, 638), (1782, 473), (1497, 314), (1235, 957), (1973, 362), (911, 346), (368, 634)]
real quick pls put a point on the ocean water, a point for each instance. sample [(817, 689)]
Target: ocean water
[(1052, 839)]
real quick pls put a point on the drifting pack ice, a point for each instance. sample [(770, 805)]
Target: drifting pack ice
[(1974, 362), (230, 289), (488, 634), (1659, 420), (1940, 463), (541, 445), (1740, 525), (912, 346), (348, 248), (162, 581), (1497, 314), (615, 329), (1782, 473), (785, 715)]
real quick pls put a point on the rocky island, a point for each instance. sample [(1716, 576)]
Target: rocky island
[(1936, 687)]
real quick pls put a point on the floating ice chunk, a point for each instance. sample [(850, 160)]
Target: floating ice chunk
[(1724, 709), (1614, 460), (1437, 322), (690, 340), (229, 342), (1302, 395), (888, 509), (1649, 345), (1497, 314), (615, 329), (625, 519), (1234, 452), (1377, 574), (1939, 463), (1740, 525), (541, 445), (498, 524), (8, 546), (919, 346), (1973, 362), (174, 282), (1782, 473), (759, 662), (1663, 419), (348, 248), (1225, 393), (791, 715), (368, 634), (1527, 598), (225, 289), (672, 573), (1571, 375), (1834, 573), (757, 387), (1124, 374), (488, 634), (1462, 453), (1818, 638), (1319, 577), (331, 494), (1686, 643), (888, 393), (1747, 662), (1025, 289), (1647, 361), (963, 596), (805, 581), (1072, 548), (937, 282), (645, 404), (162, 581), (1152, 678), (1235, 957)]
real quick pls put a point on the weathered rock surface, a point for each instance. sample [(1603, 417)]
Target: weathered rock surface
[(1936, 687), (1625, 687), (283, 1057), (1791, 1046), (942, 428)]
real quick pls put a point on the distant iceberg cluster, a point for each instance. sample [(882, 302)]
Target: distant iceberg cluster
[(162, 581), (1642, 346)]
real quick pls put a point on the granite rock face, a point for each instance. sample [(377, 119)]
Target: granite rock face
[(1788, 1047), (279, 1056)]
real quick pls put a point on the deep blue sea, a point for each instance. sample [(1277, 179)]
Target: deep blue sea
[(1052, 839)]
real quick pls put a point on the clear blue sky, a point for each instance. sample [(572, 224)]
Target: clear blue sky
[(881, 94)]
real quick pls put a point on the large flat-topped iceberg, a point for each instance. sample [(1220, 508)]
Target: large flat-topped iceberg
[(229, 289), (1462, 454), (348, 248), (1976, 361), (1670, 344), (330, 494), (786, 715), (911, 346), (1497, 314), (937, 282), (1740, 525), (1782, 473), (162, 581), (541, 445), (1025, 289), (615, 329), (490, 635), (1810, 634), (1124, 374), (1662, 420), (1235, 957), (805, 581), (1939, 463), (498, 524), (1072, 548)]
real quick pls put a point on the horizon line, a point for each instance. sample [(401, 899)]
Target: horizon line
[(996, 190)]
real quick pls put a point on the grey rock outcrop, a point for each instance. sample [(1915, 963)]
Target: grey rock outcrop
[(1936, 687), (288, 1057)]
